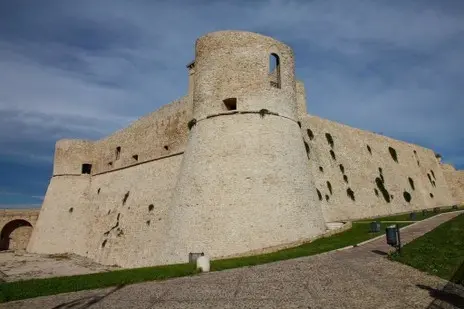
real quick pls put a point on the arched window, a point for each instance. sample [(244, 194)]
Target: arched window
[(274, 70)]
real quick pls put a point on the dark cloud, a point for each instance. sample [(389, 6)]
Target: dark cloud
[(82, 69)]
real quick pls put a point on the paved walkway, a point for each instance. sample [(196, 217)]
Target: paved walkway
[(360, 277)]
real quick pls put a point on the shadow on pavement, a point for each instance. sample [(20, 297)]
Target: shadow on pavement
[(86, 302), (379, 252), (452, 294)]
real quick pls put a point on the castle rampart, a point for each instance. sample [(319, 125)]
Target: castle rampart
[(234, 166)]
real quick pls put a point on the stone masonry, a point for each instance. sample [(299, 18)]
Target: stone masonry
[(234, 166)]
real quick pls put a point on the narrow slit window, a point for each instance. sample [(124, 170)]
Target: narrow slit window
[(230, 104), (86, 168), (274, 70)]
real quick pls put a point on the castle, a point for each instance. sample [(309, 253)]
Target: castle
[(232, 168)]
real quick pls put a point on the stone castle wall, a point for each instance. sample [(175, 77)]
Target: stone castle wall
[(348, 158), (455, 180), (237, 181)]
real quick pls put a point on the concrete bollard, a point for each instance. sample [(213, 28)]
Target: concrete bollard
[(203, 263)]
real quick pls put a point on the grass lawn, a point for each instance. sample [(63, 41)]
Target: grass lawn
[(439, 252)]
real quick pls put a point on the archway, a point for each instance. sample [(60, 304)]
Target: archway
[(15, 235)]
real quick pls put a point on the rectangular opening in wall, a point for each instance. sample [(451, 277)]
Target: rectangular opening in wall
[(86, 168), (135, 157), (274, 70), (230, 104), (118, 152)]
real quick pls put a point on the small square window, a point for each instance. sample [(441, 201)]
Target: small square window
[(230, 104), (86, 168)]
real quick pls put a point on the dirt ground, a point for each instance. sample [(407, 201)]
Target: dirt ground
[(21, 265)]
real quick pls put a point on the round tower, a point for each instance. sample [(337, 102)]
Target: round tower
[(244, 183)]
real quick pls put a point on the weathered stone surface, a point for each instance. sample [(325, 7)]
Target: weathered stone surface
[(262, 175)]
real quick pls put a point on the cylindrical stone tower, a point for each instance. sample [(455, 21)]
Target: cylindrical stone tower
[(244, 182)]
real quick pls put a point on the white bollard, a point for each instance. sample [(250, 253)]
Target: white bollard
[(203, 263)]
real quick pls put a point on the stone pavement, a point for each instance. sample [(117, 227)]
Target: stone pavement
[(359, 277)]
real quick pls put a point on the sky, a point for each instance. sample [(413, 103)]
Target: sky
[(83, 69)]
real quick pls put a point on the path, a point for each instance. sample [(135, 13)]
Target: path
[(352, 278)]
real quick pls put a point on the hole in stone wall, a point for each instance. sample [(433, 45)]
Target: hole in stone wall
[(380, 170), (431, 195), (327, 197), (433, 183), (332, 154), (109, 211), (110, 164), (135, 157), (71, 209), (98, 191), (151, 207), (310, 134), (433, 174), (350, 193), (307, 148), (382, 189), (391, 196), (104, 243), (342, 168), (299, 123), (166, 147), (418, 163), (330, 140), (329, 186), (376, 192), (321, 169), (411, 183), (86, 168), (369, 149), (230, 104), (126, 196), (118, 152), (415, 152), (148, 222), (319, 194), (345, 178), (407, 196), (430, 178), (191, 123), (393, 154)]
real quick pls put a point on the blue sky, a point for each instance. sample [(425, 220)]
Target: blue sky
[(83, 69)]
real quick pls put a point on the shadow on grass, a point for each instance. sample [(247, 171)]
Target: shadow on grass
[(86, 302), (451, 294)]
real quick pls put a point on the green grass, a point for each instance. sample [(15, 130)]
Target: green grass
[(419, 215), (439, 252), (10, 291), (49, 286)]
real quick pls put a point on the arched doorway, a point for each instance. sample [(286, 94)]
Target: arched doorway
[(15, 235)]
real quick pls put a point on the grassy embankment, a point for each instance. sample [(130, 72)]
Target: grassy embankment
[(10, 291), (439, 252)]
